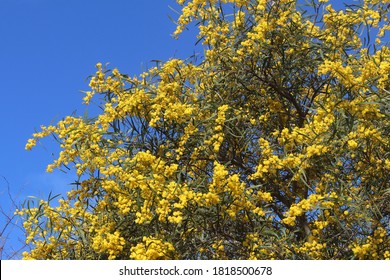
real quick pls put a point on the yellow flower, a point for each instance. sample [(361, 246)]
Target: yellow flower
[(352, 144)]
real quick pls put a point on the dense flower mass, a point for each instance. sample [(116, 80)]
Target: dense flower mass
[(274, 146)]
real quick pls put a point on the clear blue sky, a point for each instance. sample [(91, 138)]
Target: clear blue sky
[(48, 48)]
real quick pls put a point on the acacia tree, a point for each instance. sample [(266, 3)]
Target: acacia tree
[(274, 146)]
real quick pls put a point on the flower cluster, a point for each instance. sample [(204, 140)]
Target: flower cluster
[(152, 249)]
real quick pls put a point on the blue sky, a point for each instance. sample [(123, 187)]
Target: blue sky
[(48, 48)]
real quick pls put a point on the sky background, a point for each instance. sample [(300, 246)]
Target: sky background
[(48, 48)]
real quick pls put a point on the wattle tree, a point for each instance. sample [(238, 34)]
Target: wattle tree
[(272, 144)]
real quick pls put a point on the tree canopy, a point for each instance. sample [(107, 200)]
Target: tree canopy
[(271, 144)]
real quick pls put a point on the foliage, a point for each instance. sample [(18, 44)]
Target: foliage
[(274, 146)]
